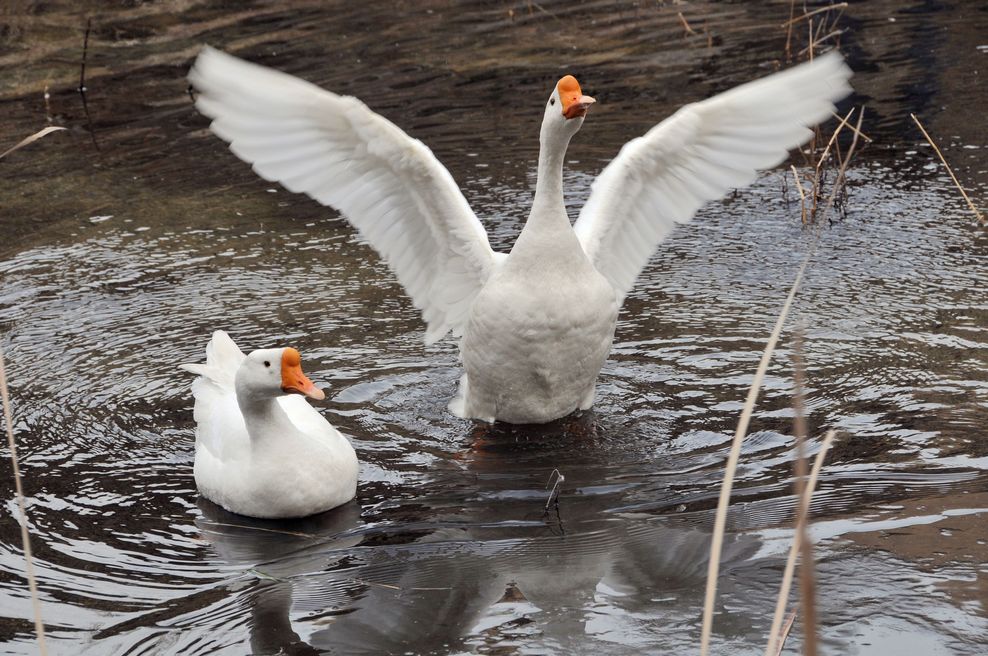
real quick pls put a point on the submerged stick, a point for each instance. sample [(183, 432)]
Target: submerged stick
[(802, 513), (39, 625), (949, 170), (786, 628)]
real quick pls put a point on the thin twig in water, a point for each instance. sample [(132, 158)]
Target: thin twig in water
[(791, 21), (860, 133), (820, 41), (39, 625), (687, 30), (554, 493), (949, 170), (802, 194), (48, 116), (817, 181), (34, 137), (207, 524), (840, 181), (802, 511), (82, 83)]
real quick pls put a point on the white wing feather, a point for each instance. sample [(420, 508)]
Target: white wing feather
[(337, 151), (219, 423), (699, 154)]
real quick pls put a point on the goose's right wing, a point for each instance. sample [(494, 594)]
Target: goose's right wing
[(697, 155), (337, 151)]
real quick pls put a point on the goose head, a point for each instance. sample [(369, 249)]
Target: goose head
[(565, 109), (268, 373)]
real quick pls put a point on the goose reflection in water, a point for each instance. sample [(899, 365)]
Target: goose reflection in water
[(457, 573)]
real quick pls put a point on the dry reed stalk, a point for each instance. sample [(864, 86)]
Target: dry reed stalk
[(34, 137), (822, 159), (801, 518), (953, 177), (788, 25), (802, 194), (806, 15), (842, 171), (860, 133), (39, 625), (720, 520), (806, 577)]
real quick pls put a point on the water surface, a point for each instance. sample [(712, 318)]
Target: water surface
[(119, 261)]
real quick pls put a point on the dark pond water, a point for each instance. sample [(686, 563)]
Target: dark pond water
[(117, 262)]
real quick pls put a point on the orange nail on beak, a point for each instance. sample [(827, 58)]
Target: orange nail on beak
[(571, 96), (293, 381)]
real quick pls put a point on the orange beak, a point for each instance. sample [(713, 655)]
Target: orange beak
[(574, 102), (293, 381)]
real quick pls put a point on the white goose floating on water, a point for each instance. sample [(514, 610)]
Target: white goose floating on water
[(536, 324), (261, 449)]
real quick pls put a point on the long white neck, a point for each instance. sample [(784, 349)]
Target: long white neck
[(547, 223), (549, 187), (263, 415)]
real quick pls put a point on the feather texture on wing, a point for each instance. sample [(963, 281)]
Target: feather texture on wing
[(337, 151), (697, 155)]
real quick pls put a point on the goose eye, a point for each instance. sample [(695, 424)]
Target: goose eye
[(267, 364), (552, 101)]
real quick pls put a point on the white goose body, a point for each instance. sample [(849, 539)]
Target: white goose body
[(541, 328), (259, 451), (536, 325)]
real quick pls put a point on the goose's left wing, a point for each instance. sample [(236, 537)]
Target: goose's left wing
[(699, 154), (389, 186)]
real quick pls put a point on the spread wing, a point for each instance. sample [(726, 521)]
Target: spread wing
[(699, 154), (337, 151)]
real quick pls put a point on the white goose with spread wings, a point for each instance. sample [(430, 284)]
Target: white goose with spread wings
[(536, 325)]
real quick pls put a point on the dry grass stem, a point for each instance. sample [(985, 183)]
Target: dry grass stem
[(788, 25), (687, 30), (823, 159), (802, 514), (860, 133), (39, 625), (841, 172), (953, 177), (34, 137), (554, 492), (720, 520), (791, 21), (806, 576), (817, 42), (802, 194), (786, 628)]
